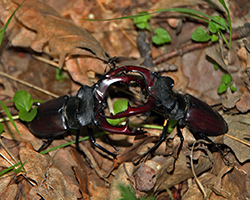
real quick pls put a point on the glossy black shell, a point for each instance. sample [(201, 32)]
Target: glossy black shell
[(50, 120), (202, 118)]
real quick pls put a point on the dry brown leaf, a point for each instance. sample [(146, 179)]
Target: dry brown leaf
[(10, 192), (54, 34), (243, 105), (81, 173), (180, 172), (54, 187), (213, 53), (202, 76), (144, 178), (230, 99), (238, 128), (122, 178), (31, 158)]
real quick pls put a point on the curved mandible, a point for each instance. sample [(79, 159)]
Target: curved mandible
[(102, 86), (148, 106), (116, 129), (147, 74)]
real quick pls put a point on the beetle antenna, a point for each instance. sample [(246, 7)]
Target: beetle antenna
[(111, 61)]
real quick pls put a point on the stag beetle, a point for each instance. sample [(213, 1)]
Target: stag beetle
[(57, 116), (201, 119)]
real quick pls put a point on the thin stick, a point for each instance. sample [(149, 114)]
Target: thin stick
[(195, 177), (239, 140), (28, 84), (54, 64)]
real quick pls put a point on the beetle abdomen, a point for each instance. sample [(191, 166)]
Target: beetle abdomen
[(50, 120), (202, 118)]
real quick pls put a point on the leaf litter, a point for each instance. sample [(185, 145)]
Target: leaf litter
[(68, 174)]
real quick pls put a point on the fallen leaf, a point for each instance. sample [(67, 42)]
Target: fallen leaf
[(124, 172), (243, 105), (180, 172), (55, 35), (144, 178), (238, 127), (34, 171)]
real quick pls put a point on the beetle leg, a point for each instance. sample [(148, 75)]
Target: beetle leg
[(77, 139), (203, 136), (46, 144), (93, 141), (109, 142), (179, 133), (163, 137)]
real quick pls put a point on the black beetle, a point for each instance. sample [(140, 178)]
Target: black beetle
[(57, 116), (201, 119)]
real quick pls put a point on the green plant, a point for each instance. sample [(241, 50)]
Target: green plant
[(2, 30), (59, 74), (215, 28), (141, 20), (119, 106), (160, 37), (226, 82), (128, 194), (13, 168), (216, 25), (23, 103)]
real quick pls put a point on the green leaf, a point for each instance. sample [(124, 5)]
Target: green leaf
[(214, 38), (22, 100), (216, 65), (229, 22), (10, 169), (7, 112), (226, 79), (200, 35), (161, 36), (127, 193), (2, 30), (1, 128), (222, 88), (59, 74), (233, 89), (219, 23), (20, 168), (171, 124), (119, 106), (142, 20), (212, 27), (27, 116)]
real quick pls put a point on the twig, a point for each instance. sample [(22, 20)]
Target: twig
[(239, 140), (238, 34), (54, 64), (195, 177), (28, 84), (4, 119)]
